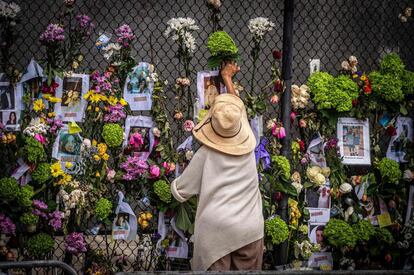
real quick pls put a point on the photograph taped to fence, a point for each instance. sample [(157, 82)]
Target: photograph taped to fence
[(209, 85), (67, 148), (71, 90), (140, 139), (10, 120), (397, 148), (353, 141), (139, 86), (7, 96), (30, 85)]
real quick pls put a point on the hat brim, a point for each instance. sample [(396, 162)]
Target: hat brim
[(243, 143)]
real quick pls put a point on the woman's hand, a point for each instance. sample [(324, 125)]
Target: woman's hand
[(229, 69)]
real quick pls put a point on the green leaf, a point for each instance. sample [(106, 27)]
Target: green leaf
[(183, 221), (403, 110)]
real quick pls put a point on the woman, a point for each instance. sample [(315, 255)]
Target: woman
[(12, 119), (228, 231)]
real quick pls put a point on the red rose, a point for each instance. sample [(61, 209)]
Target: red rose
[(277, 196), (367, 88), (277, 54), (391, 131), (278, 88)]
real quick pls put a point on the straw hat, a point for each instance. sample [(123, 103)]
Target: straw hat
[(226, 128)]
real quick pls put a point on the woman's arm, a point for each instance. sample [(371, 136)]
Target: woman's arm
[(228, 70)]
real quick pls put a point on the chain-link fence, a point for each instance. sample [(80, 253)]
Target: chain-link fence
[(325, 30)]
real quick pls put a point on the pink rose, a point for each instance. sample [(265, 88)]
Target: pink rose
[(188, 125), (302, 123), (274, 99), (278, 131), (292, 117), (155, 171), (40, 138), (110, 175)]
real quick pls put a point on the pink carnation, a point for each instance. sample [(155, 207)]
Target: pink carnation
[(136, 140), (155, 171), (188, 125)]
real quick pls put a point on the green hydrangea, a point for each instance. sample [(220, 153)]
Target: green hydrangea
[(29, 219), (384, 235), (392, 64), (277, 230), (112, 134), (386, 86), (390, 170), (42, 173), (222, 48), (163, 191), (363, 230), (282, 164), (34, 150), (329, 92), (24, 196), (9, 189), (408, 82), (103, 209), (40, 245), (340, 234)]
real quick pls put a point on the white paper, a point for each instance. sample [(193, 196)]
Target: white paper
[(208, 87), (139, 87), (396, 148), (319, 215), (71, 90), (353, 141), (256, 124), (21, 170), (143, 125), (316, 152), (318, 259), (315, 234), (125, 224), (179, 247), (67, 148)]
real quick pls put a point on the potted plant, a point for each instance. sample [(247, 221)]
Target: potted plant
[(30, 220)]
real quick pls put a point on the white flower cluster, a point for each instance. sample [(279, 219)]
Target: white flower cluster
[(259, 26), (73, 200), (36, 127), (110, 49), (305, 249), (180, 30), (300, 97), (9, 10)]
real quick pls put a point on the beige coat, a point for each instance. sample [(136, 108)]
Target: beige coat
[(229, 214)]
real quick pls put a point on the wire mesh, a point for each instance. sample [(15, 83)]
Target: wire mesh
[(329, 30)]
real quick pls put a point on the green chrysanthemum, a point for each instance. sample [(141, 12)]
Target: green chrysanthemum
[(34, 150), (103, 209), (222, 48), (40, 245), (9, 189), (329, 92), (42, 173), (408, 82), (24, 197), (112, 134), (340, 234), (392, 64), (29, 219), (390, 170), (277, 230), (282, 164), (387, 86), (163, 191), (363, 230), (384, 235)]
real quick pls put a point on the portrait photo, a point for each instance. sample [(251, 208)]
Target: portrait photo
[(140, 139), (7, 96), (144, 134), (67, 148), (397, 148), (316, 236), (209, 85), (30, 85), (71, 90), (139, 86), (10, 120), (353, 141)]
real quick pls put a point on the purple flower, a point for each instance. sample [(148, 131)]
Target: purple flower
[(53, 33), (155, 237), (75, 243), (83, 20), (124, 34), (55, 220), (7, 227), (115, 113), (39, 204), (134, 168)]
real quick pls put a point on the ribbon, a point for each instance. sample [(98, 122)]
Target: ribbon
[(262, 154), (74, 128)]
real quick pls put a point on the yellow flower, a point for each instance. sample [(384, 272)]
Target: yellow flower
[(56, 170), (68, 165), (105, 157), (38, 105), (94, 142), (104, 98), (89, 107), (52, 98), (123, 102), (88, 94), (96, 158), (97, 174), (102, 147), (354, 76), (65, 179), (363, 77), (95, 98), (51, 114), (112, 100), (96, 109)]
